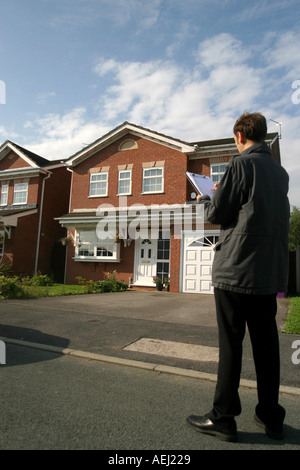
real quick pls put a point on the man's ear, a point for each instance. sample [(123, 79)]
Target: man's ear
[(242, 138)]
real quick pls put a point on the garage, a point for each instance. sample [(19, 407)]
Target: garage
[(197, 260)]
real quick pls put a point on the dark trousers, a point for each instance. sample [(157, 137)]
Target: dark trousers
[(258, 312)]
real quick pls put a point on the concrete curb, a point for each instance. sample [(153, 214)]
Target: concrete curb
[(138, 364)]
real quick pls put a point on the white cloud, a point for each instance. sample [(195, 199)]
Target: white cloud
[(43, 97), (285, 54), (64, 135), (223, 49), (200, 102)]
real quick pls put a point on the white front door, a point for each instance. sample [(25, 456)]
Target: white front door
[(198, 255), (145, 262)]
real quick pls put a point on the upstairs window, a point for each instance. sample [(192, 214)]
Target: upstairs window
[(153, 180), (98, 184), (217, 170), (124, 183), (4, 195), (20, 193)]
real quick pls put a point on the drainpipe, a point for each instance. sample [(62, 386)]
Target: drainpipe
[(70, 200), (40, 223)]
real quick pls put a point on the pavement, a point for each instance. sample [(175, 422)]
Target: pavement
[(165, 332)]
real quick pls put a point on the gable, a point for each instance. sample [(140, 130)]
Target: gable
[(12, 161), (13, 156), (129, 135)]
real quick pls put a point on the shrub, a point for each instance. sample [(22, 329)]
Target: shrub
[(109, 284), (6, 269), (10, 288), (41, 280)]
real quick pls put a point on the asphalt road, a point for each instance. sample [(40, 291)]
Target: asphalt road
[(58, 402), (132, 400)]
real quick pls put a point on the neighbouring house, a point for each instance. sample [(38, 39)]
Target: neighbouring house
[(34, 192), (133, 211)]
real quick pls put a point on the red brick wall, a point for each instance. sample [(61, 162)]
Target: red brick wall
[(56, 204), (98, 270), (12, 161), (33, 189), (175, 166), (148, 151), (21, 248)]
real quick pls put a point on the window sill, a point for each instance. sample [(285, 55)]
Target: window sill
[(152, 192), (97, 260)]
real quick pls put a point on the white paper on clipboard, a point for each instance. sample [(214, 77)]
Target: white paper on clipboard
[(202, 184)]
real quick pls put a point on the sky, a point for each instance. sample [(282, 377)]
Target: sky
[(72, 70)]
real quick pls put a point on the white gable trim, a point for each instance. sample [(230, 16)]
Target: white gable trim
[(9, 146), (122, 131)]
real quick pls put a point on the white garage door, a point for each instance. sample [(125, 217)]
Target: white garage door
[(198, 255)]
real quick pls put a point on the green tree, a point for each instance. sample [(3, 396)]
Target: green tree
[(294, 232)]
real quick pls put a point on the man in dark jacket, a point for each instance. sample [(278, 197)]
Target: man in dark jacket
[(250, 267)]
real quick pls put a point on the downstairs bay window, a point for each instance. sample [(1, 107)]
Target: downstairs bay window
[(88, 247)]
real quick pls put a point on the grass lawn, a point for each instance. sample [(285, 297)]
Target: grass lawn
[(55, 290), (292, 324)]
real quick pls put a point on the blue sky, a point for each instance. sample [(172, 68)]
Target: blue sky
[(75, 69)]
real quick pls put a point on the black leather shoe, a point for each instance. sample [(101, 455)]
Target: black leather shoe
[(224, 431), (273, 431)]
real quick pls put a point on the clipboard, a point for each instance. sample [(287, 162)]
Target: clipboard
[(202, 184)]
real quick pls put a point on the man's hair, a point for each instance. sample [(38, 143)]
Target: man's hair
[(252, 125)]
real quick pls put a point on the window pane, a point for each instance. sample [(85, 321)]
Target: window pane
[(163, 249), (20, 193), (153, 184), (124, 186), (217, 171), (124, 175), (98, 184), (153, 180), (153, 172), (90, 246), (163, 270), (4, 194)]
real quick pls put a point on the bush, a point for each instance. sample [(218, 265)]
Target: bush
[(41, 280), (10, 288), (109, 284), (6, 269)]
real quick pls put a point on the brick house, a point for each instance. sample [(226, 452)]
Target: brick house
[(34, 191), (133, 179)]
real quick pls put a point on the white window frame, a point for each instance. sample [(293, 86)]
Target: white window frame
[(149, 177), (216, 176), (18, 191), (129, 178), (93, 176), (87, 238), (2, 241), (4, 194)]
